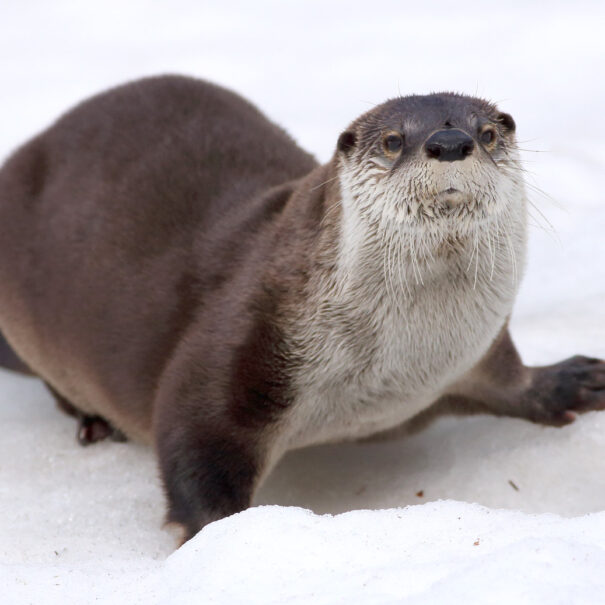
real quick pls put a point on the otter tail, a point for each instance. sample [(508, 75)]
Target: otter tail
[(10, 360)]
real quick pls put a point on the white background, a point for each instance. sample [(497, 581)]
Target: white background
[(86, 523)]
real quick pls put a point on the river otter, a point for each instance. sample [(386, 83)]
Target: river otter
[(173, 264)]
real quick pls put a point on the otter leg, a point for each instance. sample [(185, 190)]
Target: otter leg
[(217, 414), (209, 465), (91, 428), (551, 395), (215, 434)]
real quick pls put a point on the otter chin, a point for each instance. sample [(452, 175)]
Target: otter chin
[(177, 270), (451, 198)]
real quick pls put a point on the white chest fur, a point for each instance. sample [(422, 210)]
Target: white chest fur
[(385, 335)]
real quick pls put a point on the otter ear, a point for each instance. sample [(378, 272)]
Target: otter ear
[(347, 141), (507, 121)]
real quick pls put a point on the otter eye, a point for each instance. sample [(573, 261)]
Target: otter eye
[(393, 142), (487, 136)]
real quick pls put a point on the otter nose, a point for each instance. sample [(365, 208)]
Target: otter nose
[(449, 145)]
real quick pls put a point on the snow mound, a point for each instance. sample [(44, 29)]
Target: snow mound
[(442, 552)]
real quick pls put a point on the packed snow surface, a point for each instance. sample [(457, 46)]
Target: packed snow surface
[(481, 509)]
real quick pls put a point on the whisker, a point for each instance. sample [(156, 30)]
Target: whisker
[(491, 254), (329, 212), (513, 258), (325, 182)]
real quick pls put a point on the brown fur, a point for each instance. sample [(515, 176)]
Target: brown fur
[(152, 243)]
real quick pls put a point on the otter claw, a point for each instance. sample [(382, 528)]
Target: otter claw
[(94, 428), (563, 390)]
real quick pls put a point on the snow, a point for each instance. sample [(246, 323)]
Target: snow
[(493, 510), (414, 554)]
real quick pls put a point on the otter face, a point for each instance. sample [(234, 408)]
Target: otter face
[(434, 161)]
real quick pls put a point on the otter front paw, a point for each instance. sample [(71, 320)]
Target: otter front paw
[(560, 391)]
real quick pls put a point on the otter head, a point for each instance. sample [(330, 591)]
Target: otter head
[(443, 163)]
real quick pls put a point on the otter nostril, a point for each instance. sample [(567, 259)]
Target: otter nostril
[(433, 150), (467, 148)]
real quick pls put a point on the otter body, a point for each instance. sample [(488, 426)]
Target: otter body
[(144, 226), (173, 264)]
